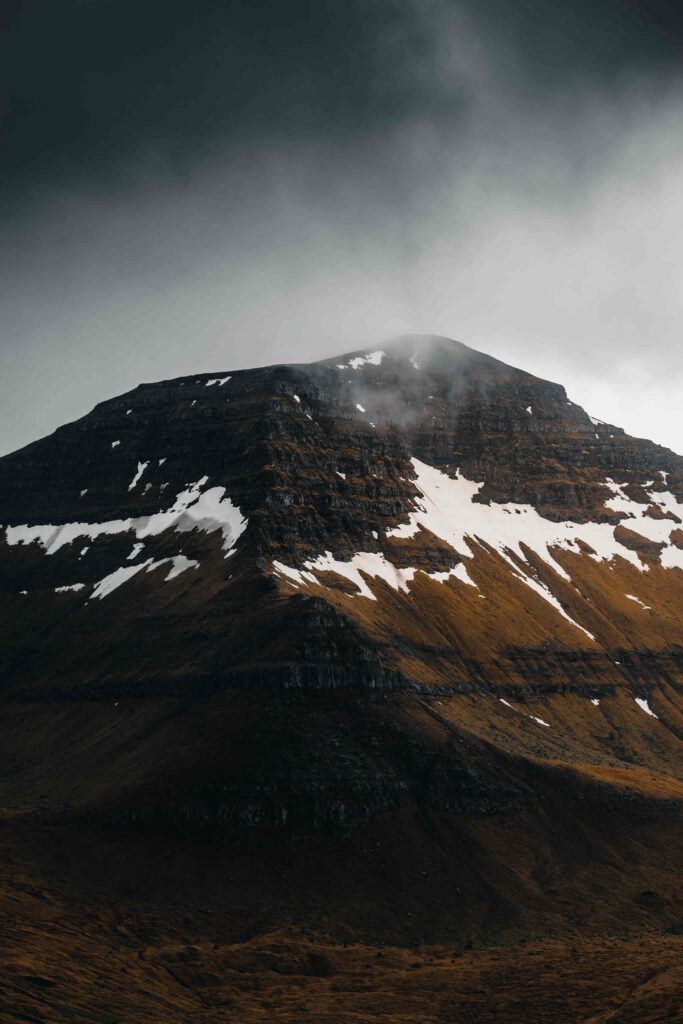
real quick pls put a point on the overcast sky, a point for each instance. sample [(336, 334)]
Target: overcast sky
[(202, 186)]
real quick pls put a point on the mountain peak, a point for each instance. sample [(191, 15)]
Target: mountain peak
[(429, 352)]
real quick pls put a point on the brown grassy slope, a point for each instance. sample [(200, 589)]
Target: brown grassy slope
[(105, 940), (439, 632)]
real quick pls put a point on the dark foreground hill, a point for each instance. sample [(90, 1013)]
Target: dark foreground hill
[(382, 651)]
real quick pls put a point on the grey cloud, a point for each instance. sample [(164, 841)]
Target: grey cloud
[(540, 224)]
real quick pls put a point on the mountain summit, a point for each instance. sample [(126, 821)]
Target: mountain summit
[(409, 591)]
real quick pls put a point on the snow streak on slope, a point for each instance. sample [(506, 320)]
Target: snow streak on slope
[(193, 509), (142, 466), (368, 562), (644, 705), (178, 564), (446, 507), (372, 358)]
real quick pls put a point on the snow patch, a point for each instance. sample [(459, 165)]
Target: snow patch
[(210, 512), (642, 703), (447, 508), (114, 444), (658, 530), (458, 572), (296, 399), (672, 557), (69, 586), (534, 718), (371, 358), (632, 597), (359, 407), (115, 579), (218, 380), (142, 466), (367, 562), (177, 564), (193, 509)]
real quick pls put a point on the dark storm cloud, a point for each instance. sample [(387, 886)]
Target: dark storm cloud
[(190, 186), (91, 87)]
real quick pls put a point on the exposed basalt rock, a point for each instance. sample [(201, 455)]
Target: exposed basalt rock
[(328, 766), (636, 542)]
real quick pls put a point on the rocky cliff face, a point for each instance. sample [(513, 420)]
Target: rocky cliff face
[(286, 602)]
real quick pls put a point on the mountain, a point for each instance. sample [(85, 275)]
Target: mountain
[(388, 645)]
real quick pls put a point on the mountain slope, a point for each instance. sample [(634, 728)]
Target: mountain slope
[(410, 597)]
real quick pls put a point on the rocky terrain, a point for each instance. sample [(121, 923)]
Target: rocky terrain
[(306, 664)]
